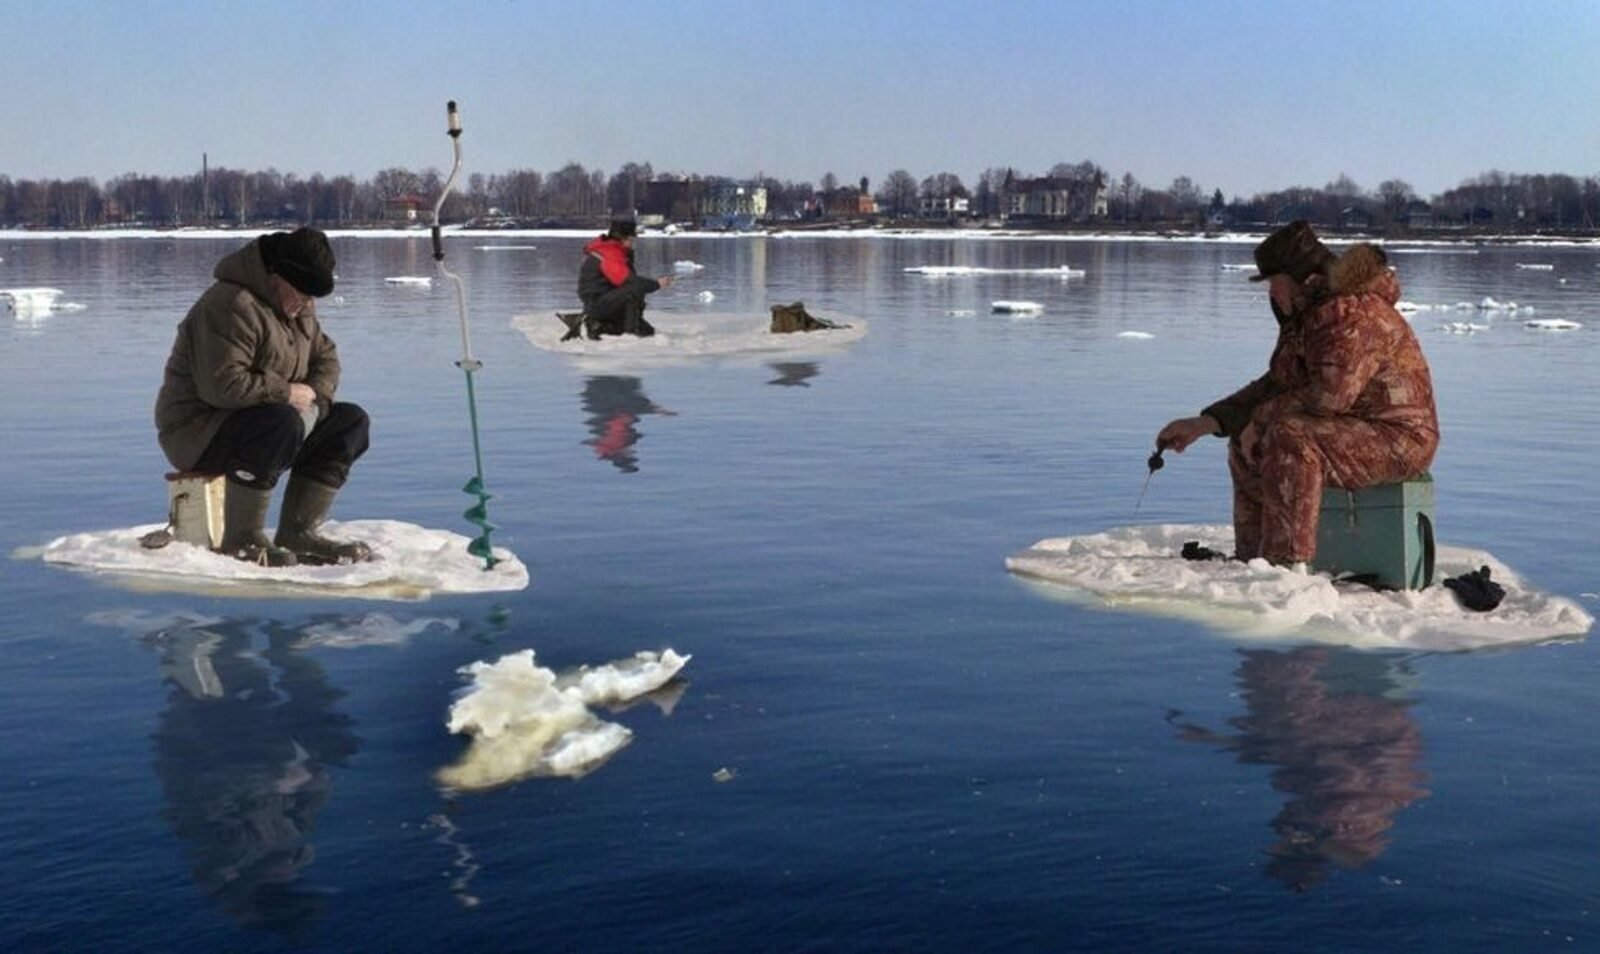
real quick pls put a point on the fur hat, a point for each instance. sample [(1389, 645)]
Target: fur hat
[(1293, 250), (303, 258)]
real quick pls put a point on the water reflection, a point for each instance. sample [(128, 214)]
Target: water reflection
[(245, 751), (614, 404), (1345, 748), (794, 374)]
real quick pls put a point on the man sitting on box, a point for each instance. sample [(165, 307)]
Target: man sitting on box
[(1347, 399)]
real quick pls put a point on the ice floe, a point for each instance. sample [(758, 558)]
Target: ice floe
[(1142, 335), (1536, 266), (685, 265), (505, 248), (706, 295), (1140, 569), (412, 563), (30, 302), (410, 281), (1553, 324), (687, 338), (1005, 307), (1463, 327), (963, 271), (525, 720)]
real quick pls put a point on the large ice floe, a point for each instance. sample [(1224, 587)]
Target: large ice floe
[(411, 563), (1141, 569), (525, 720), (685, 338)]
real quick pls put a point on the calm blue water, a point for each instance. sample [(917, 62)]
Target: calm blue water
[(929, 754)]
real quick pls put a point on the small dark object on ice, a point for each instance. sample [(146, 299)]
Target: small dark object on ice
[(1476, 591), (1194, 551), (1155, 462), (574, 323)]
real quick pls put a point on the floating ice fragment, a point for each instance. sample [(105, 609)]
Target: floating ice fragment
[(1016, 307), (1135, 334), (1553, 324), (962, 271), (413, 281), (525, 720), (685, 265), (1536, 267), (706, 295), (28, 302)]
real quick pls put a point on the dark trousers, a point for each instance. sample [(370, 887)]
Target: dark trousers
[(619, 311), (257, 444)]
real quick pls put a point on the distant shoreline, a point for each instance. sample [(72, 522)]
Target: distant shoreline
[(458, 233)]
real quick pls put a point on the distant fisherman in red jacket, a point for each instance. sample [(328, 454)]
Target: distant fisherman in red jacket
[(611, 291), (1347, 400)]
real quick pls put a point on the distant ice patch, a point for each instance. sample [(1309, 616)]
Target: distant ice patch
[(685, 265), (410, 281), (964, 271), (1141, 335), (1536, 266), (706, 295), (30, 302), (525, 720), (1007, 307), (1140, 568), (1238, 267), (1553, 324), (505, 248), (1463, 327), (687, 338), (412, 563)]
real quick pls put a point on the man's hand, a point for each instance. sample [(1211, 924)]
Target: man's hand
[(301, 397), (1179, 434), (665, 280)]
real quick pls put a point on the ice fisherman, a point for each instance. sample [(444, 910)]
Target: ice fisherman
[(1347, 399), (611, 291), (249, 391)]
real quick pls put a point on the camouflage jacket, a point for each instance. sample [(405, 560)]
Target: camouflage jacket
[(1347, 353)]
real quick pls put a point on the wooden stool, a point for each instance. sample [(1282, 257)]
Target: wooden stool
[(195, 507), (1384, 531)]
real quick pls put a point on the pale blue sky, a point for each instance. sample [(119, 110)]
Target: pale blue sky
[(1246, 96)]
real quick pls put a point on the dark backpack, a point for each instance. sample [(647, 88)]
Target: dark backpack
[(788, 318)]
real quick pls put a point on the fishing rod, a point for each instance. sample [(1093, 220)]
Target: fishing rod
[(1155, 463), (478, 513)]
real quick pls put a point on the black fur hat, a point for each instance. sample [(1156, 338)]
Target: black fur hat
[(303, 258)]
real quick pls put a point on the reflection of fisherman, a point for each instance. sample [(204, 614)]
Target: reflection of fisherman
[(614, 405), (244, 753), (1346, 752), (611, 291), (793, 374)]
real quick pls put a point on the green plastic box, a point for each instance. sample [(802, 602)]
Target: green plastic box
[(1384, 531)]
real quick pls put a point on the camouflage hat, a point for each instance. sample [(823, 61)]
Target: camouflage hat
[(1293, 250)]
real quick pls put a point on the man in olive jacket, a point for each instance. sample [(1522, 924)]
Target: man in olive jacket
[(249, 393)]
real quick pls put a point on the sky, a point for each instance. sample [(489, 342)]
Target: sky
[(1238, 95)]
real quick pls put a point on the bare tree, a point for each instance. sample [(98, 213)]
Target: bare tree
[(898, 194)]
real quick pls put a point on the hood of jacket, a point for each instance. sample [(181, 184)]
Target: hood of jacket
[(246, 269), (1364, 269)]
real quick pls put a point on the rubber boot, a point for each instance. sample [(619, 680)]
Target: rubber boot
[(305, 505), (244, 518), (633, 322)]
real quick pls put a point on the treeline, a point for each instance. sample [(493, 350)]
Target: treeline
[(1493, 201)]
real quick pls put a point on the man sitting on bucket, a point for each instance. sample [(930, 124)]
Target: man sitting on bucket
[(248, 393), (611, 291), (1347, 399)]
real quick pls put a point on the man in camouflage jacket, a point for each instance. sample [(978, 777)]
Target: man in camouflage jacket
[(1347, 399)]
